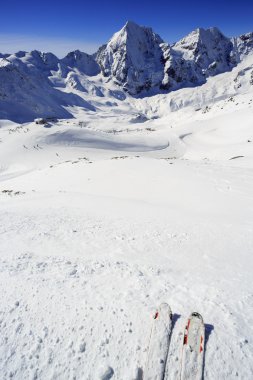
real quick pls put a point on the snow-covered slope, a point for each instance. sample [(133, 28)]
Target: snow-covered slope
[(27, 93), (105, 216)]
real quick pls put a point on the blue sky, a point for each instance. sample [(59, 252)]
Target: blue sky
[(61, 26)]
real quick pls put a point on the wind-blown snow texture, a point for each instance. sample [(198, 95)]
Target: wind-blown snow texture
[(124, 202)]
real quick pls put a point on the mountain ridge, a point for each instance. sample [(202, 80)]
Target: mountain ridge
[(135, 61)]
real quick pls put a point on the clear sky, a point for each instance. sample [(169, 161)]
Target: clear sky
[(62, 26)]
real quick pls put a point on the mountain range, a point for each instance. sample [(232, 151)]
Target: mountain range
[(135, 61)]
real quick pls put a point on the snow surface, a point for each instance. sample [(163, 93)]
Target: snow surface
[(120, 207)]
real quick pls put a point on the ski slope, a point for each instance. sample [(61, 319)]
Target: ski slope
[(105, 216)]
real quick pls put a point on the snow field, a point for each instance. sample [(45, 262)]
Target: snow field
[(89, 266), (103, 221)]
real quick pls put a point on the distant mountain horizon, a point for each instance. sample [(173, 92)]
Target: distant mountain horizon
[(136, 61)]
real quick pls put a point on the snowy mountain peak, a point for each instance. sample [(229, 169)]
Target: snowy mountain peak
[(130, 27), (132, 58), (134, 30), (134, 36), (84, 62), (4, 63), (202, 53), (131, 24), (213, 30), (202, 39)]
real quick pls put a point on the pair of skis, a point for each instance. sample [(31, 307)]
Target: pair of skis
[(192, 348)]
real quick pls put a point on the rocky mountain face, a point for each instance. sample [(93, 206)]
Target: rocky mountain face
[(136, 59), (242, 46), (133, 58), (201, 54)]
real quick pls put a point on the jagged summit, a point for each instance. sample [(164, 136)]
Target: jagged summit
[(203, 41), (131, 29), (200, 35), (133, 58), (202, 53), (84, 62), (131, 24), (204, 32)]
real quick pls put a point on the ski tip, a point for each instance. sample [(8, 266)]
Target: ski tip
[(164, 306), (163, 309), (195, 314)]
